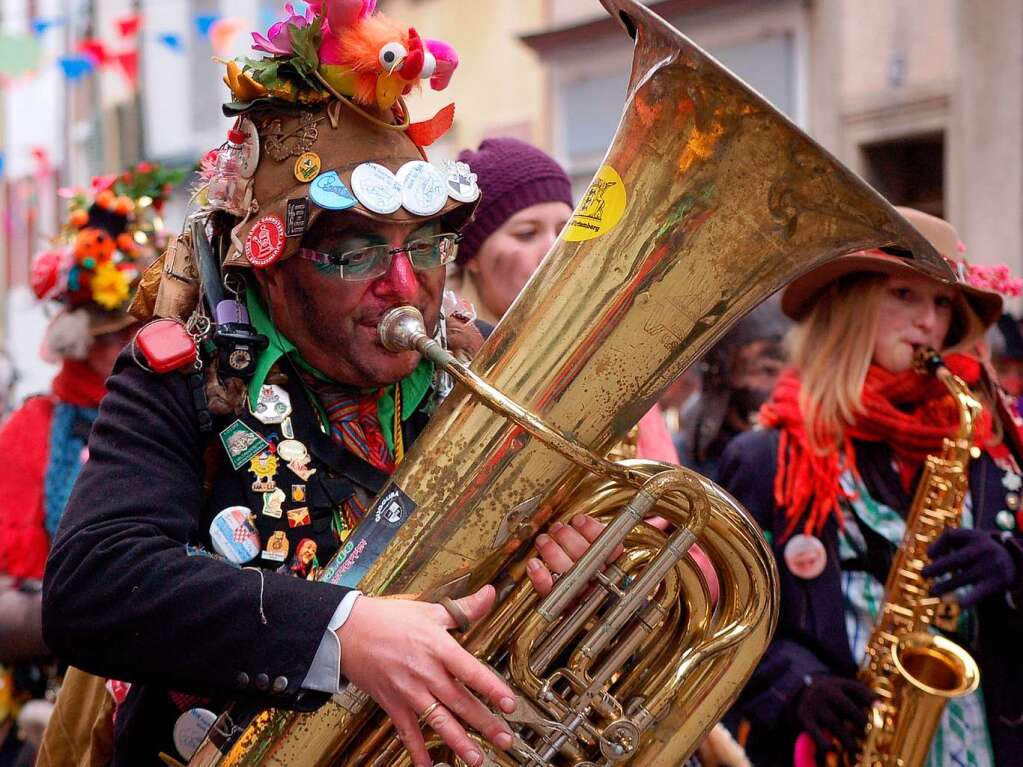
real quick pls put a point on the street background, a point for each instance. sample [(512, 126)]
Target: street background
[(924, 98)]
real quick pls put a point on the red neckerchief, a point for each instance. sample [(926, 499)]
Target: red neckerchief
[(78, 384), (911, 412)]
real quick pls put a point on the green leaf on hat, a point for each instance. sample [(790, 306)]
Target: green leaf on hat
[(263, 71), (305, 45)]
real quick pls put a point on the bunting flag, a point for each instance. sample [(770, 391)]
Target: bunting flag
[(129, 63), (41, 158), (19, 54), (95, 49), (77, 66), (129, 25), (172, 40), (41, 26), (223, 32), (204, 21)]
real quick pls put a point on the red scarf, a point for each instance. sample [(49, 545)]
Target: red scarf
[(911, 412), (78, 384)]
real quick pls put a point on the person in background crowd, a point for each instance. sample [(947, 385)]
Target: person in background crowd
[(830, 480), (1006, 347), (677, 401), (738, 374), (526, 202), (90, 274)]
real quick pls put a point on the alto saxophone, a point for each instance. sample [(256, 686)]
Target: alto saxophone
[(914, 672)]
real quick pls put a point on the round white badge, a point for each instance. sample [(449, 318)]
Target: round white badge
[(234, 536), (190, 729), (250, 149), (423, 190), (376, 188), (805, 556), (462, 182), (292, 450)]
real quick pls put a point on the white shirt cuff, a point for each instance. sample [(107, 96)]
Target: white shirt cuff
[(324, 673)]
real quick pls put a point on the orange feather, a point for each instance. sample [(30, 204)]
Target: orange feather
[(358, 48)]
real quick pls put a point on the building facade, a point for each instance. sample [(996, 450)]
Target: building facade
[(924, 98)]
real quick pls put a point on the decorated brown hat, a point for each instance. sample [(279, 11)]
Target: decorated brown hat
[(322, 125), (327, 158), (980, 307)]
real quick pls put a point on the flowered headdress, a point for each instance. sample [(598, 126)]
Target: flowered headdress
[(93, 265)]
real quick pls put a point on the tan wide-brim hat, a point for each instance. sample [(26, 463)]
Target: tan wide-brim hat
[(981, 308), (326, 138), (102, 322)]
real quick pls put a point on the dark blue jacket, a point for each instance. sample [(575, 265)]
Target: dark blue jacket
[(811, 636)]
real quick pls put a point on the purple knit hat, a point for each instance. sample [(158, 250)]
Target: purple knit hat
[(512, 176)]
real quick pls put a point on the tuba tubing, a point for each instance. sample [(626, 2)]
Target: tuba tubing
[(707, 202)]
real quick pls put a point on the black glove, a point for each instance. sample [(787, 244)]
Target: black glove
[(970, 558), (834, 708)]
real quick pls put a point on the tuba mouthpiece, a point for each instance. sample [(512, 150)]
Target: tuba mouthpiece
[(400, 327)]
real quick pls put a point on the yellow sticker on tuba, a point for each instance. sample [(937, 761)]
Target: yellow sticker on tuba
[(601, 208)]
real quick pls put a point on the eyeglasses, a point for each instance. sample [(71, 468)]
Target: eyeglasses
[(373, 261)]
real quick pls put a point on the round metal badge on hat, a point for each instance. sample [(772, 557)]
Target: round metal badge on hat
[(376, 188), (265, 242), (462, 182), (250, 149), (330, 193), (423, 190), (307, 167)]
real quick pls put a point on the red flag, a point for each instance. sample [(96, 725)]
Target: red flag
[(95, 50), (129, 62), (129, 25)]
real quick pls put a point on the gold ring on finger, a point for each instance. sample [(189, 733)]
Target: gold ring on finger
[(429, 710)]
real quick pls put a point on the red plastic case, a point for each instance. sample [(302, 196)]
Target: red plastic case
[(166, 345)]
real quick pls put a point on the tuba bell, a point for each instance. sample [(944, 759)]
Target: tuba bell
[(707, 202)]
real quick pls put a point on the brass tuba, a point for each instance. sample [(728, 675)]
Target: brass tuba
[(707, 202)]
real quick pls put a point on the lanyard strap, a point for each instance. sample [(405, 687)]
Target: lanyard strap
[(399, 442)]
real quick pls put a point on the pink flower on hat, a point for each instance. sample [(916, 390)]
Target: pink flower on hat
[(277, 41), (994, 277)]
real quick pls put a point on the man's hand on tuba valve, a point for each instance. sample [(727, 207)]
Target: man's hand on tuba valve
[(559, 548), (399, 653)]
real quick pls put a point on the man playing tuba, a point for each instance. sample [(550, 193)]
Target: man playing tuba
[(220, 471)]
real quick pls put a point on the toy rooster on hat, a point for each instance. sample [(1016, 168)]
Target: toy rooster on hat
[(346, 49)]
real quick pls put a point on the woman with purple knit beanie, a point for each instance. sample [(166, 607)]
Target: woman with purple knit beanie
[(526, 200)]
